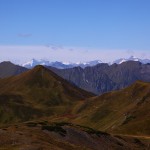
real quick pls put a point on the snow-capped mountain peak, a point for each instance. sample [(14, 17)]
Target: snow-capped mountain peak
[(131, 58), (32, 63)]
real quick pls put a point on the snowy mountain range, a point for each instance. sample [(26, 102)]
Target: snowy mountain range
[(63, 65), (60, 65)]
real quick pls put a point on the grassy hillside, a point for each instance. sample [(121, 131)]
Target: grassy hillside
[(125, 111), (41, 93), (35, 93)]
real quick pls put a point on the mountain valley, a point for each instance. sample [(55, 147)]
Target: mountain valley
[(55, 113)]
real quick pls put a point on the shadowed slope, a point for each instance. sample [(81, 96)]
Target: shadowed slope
[(104, 78), (8, 69)]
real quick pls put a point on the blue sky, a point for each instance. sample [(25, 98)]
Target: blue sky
[(91, 27)]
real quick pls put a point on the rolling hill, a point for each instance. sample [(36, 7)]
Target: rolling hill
[(120, 112)]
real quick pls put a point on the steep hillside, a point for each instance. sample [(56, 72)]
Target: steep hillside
[(37, 92), (122, 112), (8, 69), (104, 78)]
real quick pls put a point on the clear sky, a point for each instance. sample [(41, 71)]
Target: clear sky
[(76, 30)]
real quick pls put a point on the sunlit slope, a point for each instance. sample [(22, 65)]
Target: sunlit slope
[(126, 111), (35, 93)]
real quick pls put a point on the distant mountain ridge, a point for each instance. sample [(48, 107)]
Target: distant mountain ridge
[(96, 79), (64, 65), (60, 65), (104, 78), (8, 69)]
